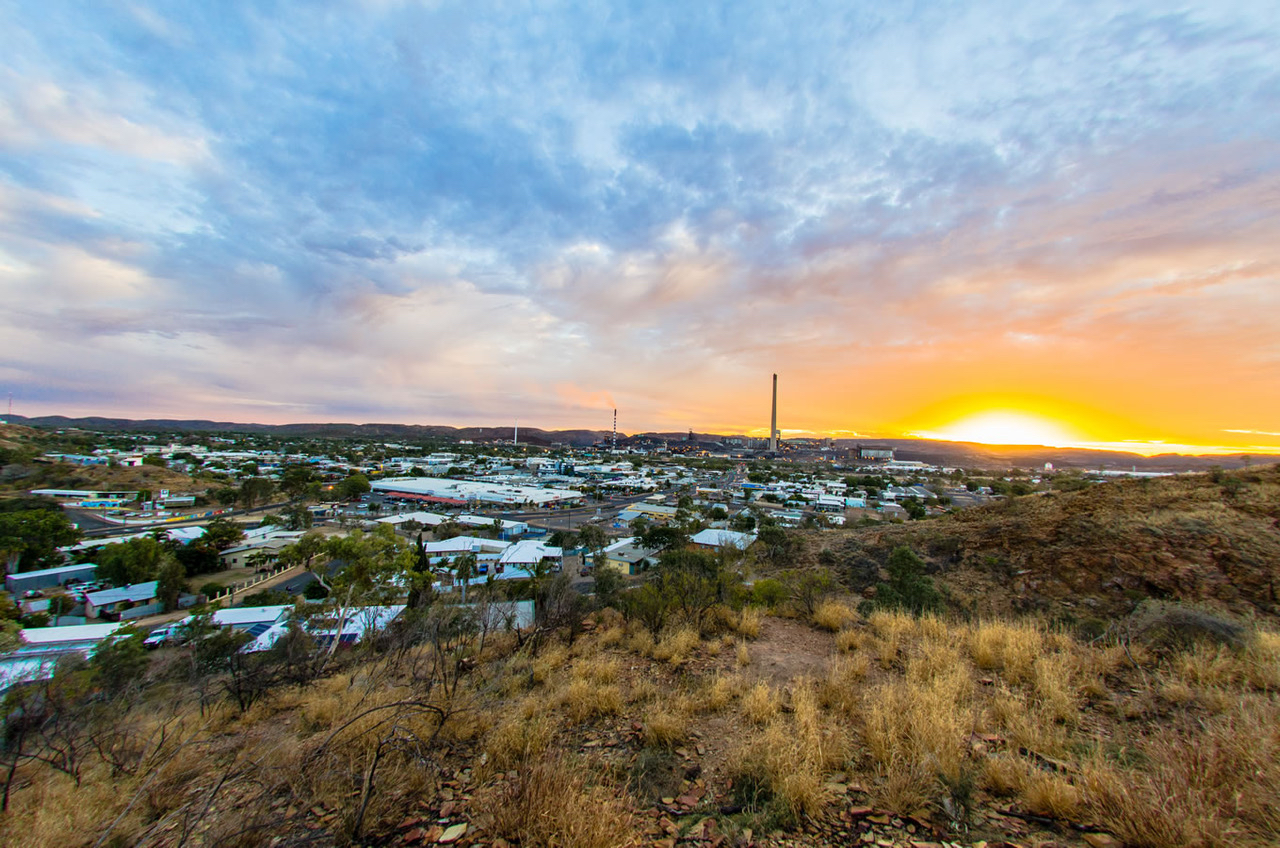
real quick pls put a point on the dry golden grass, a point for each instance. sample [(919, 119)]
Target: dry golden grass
[(1050, 794), (598, 670), (1003, 774), (743, 655), (1175, 692), (1055, 687), (666, 724), (936, 659), (849, 640), (1215, 786), (911, 728), (611, 637), (52, 807), (584, 700), (550, 662), (720, 692), (891, 629), (642, 691), (1008, 647), (760, 704), (1027, 725), (676, 645), (833, 615), (841, 689), (516, 741), (558, 801), (748, 623), (1262, 661), (789, 760)]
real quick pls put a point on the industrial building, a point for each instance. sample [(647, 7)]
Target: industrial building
[(467, 491)]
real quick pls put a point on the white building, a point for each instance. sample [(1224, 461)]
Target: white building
[(468, 490)]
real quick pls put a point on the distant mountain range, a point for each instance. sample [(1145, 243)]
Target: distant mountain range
[(938, 453)]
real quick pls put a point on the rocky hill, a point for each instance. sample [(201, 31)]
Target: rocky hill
[(1206, 538)]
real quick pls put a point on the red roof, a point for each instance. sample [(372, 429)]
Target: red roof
[(432, 499)]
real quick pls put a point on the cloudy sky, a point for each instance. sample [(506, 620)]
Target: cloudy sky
[(472, 213)]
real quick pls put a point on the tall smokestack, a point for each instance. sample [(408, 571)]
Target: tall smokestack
[(615, 431), (773, 420), (515, 435)]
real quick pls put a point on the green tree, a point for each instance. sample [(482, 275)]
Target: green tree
[(222, 534), (296, 481), (173, 582), (133, 561), (662, 537), (908, 587), (778, 544), (353, 487), (608, 583), (256, 490), (806, 588), (119, 662), (296, 517), (60, 603), (29, 539), (563, 539), (592, 537)]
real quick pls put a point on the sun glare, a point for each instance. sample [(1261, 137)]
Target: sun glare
[(1007, 428)]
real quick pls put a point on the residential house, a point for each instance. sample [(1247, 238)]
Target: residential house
[(110, 603), (721, 539)]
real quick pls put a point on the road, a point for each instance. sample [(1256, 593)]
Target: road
[(566, 519), (93, 526)]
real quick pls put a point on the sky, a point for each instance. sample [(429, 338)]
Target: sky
[(1006, 221)]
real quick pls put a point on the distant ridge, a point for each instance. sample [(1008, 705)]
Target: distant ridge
[(934, 452), (531, 435)]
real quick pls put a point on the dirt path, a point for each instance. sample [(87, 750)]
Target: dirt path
[(787, 650)]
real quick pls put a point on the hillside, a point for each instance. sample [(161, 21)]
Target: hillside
[(531, 435), (765, 730), (1209, 538), (21, 468)]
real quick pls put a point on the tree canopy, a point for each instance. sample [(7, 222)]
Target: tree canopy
[(30, 538)]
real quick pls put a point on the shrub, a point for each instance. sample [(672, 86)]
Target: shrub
[(1165, 625), (768, 592), (908, 588)]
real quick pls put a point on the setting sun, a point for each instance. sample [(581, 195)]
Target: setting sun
[(1006, 428)]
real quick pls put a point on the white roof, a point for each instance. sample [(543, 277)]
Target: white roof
[(249, 615), (136, 592), (467, 490), (50, 636), (60, 570), (464, 545), (430, 519), (358, 622), (724, 538), (621, 543), (529, 551)]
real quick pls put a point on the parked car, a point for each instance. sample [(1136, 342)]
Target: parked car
[(163, 635)]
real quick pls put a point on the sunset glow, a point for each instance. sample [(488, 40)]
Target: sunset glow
[(1006, 428), (989, 221)]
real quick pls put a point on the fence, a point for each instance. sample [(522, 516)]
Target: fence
[(231, 590)]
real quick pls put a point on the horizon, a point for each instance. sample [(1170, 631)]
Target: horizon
[(990, 222), (1144, 450)]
